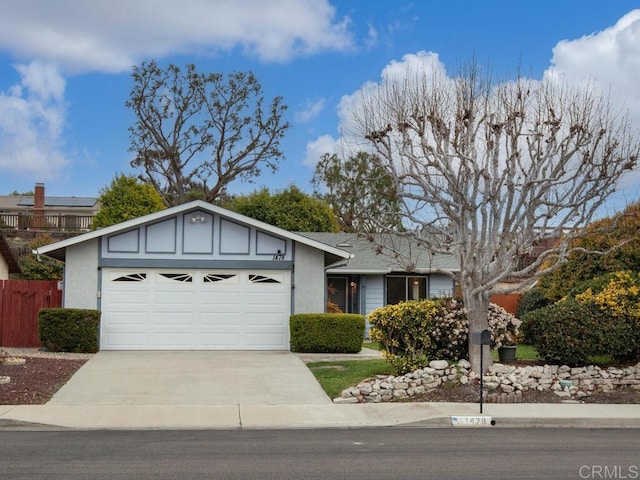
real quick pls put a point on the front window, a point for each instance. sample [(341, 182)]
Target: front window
[(401, 288)]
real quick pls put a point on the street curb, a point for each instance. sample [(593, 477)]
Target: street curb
[(501, 422)]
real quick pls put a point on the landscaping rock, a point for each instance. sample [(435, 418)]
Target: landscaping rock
[(439, 364), (503, 380)]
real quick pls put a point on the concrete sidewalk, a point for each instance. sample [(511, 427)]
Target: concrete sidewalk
[(251, 416)]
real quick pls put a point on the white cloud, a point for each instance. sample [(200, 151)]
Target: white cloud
[(110, 36), (348, 144), (31, 123), (311, 111), (608, 60), (317, 148)]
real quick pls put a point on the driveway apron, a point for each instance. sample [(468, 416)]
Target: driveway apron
[(192, 378)]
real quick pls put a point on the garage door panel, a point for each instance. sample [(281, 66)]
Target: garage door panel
[(166, 320), (131, 320), (263, 340), (267, 316), (196, 309), (213, 321), (173, 341), (128, 340)]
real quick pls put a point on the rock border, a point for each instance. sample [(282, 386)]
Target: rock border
[(501, 383)]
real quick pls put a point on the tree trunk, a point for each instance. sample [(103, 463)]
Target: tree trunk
[(477, 312)]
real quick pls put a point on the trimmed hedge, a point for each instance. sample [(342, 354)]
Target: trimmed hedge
[(571, 332), (327, 332), (601, 317), (69, 329)]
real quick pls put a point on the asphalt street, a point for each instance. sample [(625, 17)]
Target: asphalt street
[(408, 453)]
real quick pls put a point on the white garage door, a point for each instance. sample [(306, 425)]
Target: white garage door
[(156, 309)]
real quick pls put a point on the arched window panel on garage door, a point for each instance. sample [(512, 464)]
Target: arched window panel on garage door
[(221, 278), (256, 278), (127, 277), (186, 277)]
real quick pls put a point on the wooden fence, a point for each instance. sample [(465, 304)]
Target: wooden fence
[(56, 222), (508, 301), (20, 301)]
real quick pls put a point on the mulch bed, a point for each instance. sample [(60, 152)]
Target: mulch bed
[(471, 394), (35, 382)]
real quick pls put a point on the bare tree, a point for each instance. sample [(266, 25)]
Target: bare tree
[(485, 171), (195, 133)]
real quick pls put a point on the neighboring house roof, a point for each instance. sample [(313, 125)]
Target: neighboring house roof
[(5, 251), (58, 250), (22, 202), (82, 202), (368, 260)]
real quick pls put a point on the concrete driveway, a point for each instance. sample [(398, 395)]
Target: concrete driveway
[(192, 378)]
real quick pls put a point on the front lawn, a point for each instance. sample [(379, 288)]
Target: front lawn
[(523, 352), (336, 376)]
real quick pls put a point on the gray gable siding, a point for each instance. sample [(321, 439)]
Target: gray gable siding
[(196, 236)]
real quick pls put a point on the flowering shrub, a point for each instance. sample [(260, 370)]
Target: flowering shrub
[(617, 299), (620, 296), (599, 317), (404, 331), (413, 333)]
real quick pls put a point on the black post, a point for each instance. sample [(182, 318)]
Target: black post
[(481, 373), (482, 338)]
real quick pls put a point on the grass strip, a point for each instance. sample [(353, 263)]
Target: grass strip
[(336, 376)]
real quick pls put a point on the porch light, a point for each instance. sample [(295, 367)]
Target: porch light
[(198, 219)]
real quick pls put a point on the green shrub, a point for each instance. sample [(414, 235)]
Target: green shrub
[(532, 299), (616, 296), (327, 332), (571, 332), (404, 331), (69, 329), (416, 332)]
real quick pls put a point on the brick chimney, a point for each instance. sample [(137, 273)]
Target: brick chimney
[(38, 206)]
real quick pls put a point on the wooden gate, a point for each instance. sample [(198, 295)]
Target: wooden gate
[(20, 301)]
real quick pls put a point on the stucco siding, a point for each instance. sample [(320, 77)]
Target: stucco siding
[(81, 276), (308, 280)]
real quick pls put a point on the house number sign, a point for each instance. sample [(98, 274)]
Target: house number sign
[(278, 257)]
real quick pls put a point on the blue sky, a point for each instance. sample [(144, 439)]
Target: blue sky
[(65, 67)]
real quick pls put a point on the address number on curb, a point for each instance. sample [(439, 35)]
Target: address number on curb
[(472, 421)]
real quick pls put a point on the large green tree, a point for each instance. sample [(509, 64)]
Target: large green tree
[(289, 209), (126, 198), (617, 236), (359, 190), (198, 132), (32, 268)]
